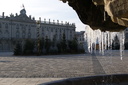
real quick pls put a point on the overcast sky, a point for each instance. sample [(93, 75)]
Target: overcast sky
[(49, 9)]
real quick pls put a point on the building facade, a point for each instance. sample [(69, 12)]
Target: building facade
[(17, 28), (80, 38)]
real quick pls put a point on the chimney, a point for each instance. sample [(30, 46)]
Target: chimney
[(33, 18), (3, 15), (30, 16), (44, 20), (62, 22), (40, 19), (57, 21), (49, 21), (16, 14)]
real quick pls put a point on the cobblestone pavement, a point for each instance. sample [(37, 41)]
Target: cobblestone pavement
[(57, 66), (61, 66), (26, 81), (30, 70), (112, 64)]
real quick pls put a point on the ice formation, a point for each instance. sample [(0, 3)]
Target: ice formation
[(97, 40)]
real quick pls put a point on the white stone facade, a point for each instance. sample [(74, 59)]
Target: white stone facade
[(80, 38), (20, 27)]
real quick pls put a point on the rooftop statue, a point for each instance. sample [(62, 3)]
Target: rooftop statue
[(106, 15)]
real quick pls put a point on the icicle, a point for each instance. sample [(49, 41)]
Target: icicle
[(108, 40), (111, 38), (123, 41), (104, 16), (121, 44), (102, 42), (91, 41), (88, 39), (95, 47), (95, 37), (105, 40), (91, 46)]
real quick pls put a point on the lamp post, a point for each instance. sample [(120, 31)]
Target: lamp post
[(11, 34), (38, 36)]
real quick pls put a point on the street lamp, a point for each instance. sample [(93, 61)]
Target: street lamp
[(38, 36)]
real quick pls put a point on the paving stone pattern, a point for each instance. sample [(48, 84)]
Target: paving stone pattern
[(61, 66), (46, 66), (26, 81), (97, 67)]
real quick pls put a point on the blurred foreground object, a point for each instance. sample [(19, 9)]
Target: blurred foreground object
[(106, 15)]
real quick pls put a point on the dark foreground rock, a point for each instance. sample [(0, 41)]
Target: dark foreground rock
[(106, 15), (120, 79)]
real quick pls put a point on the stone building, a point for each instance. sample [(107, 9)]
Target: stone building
[(117, 40), (80, 38), (17, 28)]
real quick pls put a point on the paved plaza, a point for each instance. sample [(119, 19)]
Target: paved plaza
[(34, 70)]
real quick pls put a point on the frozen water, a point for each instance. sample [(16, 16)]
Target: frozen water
[(102, 41), (122, 37)]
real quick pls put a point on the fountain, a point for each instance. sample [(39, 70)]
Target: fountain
[(107, 19), (105, 40)]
